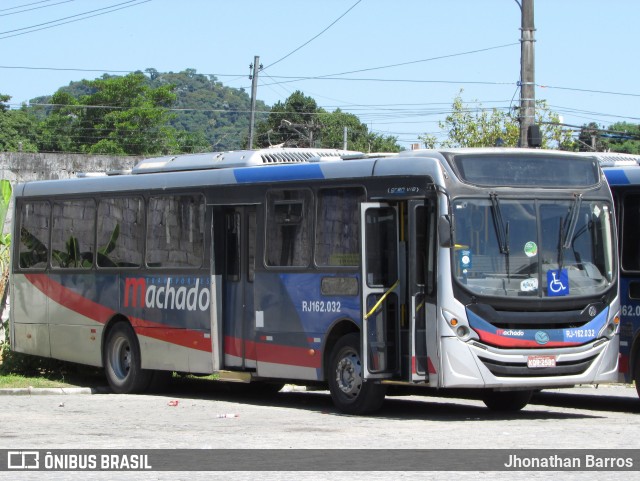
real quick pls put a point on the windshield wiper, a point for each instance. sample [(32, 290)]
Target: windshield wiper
[(502, 229), (568, 228)]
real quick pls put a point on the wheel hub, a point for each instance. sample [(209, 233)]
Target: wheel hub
[(121, 363), (349, 375)]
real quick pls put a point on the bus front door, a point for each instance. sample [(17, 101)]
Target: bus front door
[(380, 290), (420, 242)]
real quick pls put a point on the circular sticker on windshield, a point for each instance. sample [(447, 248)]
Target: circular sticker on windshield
[(530, 249)]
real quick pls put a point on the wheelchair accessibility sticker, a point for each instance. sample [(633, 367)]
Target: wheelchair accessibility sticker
[(558, 282)]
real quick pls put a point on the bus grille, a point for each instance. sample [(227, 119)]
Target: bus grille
[(520, 369), (298, 156), (285, 157)]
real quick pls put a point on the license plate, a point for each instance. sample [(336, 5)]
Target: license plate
[(541, 361)]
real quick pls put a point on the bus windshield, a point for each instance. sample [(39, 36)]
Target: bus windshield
[(533, 248)]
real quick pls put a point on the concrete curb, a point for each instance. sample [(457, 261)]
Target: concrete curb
[(31, 391)]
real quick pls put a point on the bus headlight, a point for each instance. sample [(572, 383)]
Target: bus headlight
[(462, 332), (459, 326), (610, 330)]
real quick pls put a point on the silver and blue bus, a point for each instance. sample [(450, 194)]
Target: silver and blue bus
[(623, 174), (489, 269)]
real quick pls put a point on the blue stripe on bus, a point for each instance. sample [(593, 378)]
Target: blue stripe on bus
[(616, 177), (278, 172)]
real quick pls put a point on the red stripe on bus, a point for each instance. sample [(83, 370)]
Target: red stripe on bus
[(623, 364), (92, 310), (289, 355), (431, 367), (273, 353), (181, 337), (70, 299), (233, 347)]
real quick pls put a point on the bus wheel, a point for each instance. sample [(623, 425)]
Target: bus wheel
[(506, 400), (122, 361), (349, 391)]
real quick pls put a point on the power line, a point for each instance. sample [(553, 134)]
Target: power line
[(64, 18), (472, 82), (470, 52), (312, 39), (25, 5), (73, 69), (34, 8), (588, 90), (71, 21), (322, 77), (431, 59)]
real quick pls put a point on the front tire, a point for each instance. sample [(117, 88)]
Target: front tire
[(122, 361), (350, 392), (507, 400)]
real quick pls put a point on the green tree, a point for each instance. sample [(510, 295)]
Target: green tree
[(59, 131), (358, 136), (589, 139), (479, 127), (125, 116), (292, 123), (18, 128), (122, 115), (209, 110), (622, 137), (300, 122)]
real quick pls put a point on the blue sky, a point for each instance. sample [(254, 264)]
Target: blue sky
[(396, 64)]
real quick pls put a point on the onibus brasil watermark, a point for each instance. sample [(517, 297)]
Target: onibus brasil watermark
[(324, 460), (34, 460)]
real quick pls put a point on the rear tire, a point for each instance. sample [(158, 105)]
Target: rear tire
[(351, 394), (507, 400), (122, 361)]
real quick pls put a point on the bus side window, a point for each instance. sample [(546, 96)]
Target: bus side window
[(337, 230), (72, 244), (120, 232), (33, 249), (631, 233), (175, 231), (288, 228)]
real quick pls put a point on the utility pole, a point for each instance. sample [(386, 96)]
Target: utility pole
[(527, 73), (254, 88)]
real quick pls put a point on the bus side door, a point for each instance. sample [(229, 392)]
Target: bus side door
[(237, 292), (380, 290), (420, 244)]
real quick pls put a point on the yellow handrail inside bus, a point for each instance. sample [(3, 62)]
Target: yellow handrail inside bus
[(381, 300)]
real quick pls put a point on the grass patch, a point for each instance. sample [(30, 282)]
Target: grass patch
[(17, 381), (71, 378), (22, 371)]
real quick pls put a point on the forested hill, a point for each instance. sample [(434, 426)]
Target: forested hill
[(204, 105)]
